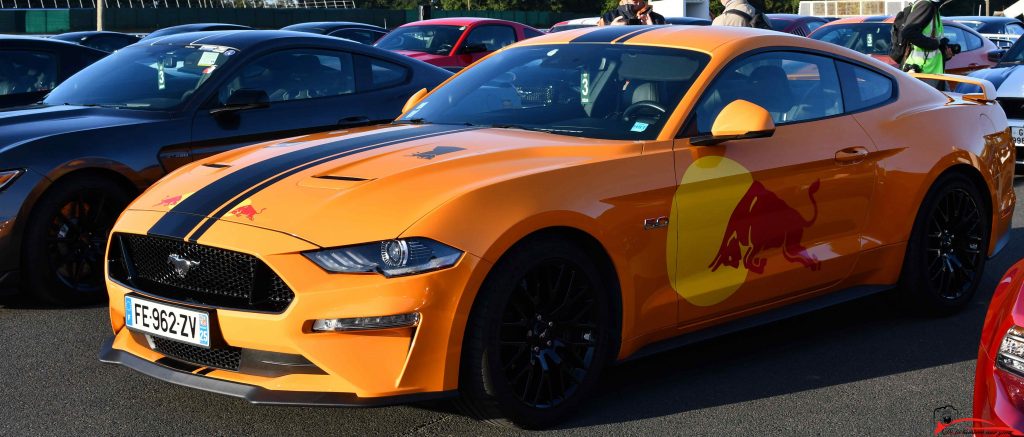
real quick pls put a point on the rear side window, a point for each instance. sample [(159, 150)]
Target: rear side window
[(863, 88), (1014, 29), (530, 33), (27, 71), (384, 74)]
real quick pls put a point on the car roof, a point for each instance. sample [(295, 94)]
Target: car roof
[(882, 19), (793, 17), (86, 33), (460, 21), (705, 39), (331, 25), (35, 40), (982, 19), (242, 39)]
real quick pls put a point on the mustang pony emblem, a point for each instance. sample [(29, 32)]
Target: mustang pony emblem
[(180, 264), (763, 221)]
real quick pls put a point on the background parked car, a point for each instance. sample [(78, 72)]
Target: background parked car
[(999, 375), (71, 164), (873, 36), (801, 25), (359, 32), (30, 67), (195, 27), (1008, 78), (454, 43), (99, 40), (687, 21), (578, 23), (1003, 31)]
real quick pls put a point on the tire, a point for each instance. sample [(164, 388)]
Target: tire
[(524, 331), (66, 238), (948, 247)]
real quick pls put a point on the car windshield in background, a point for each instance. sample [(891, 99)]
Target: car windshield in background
[(869, 38), (437, 40), (143, 77), (1015, 54), (596, 91), (976, 25)]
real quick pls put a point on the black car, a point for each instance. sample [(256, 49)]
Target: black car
[(70, 164), (359, 32), (30, 67), (800, 25), (687, 21), (195, 27), (1003, 31), (99, 40)]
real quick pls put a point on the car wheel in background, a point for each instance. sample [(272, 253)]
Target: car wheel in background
[(540, 334), (948, 247), (66, 236)]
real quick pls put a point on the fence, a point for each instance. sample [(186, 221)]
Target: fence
[(143, 20), (852, 8)]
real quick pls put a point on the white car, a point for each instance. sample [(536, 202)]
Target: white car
[(1003, 31), (1008, 77)]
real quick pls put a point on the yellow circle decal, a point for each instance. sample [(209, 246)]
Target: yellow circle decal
[(704, 201)]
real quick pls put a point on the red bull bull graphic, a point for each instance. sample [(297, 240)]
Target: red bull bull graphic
[(170, 202), (247, 211), (763, 221)]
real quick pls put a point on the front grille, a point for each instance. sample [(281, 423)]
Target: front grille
[(224, 358), (218, 277), (1013, 107)]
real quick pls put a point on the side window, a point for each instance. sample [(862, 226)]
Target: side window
[(530, 33), (813, 25), (966, 40), (792, 87), (1014, 29), (357, 35), (296, 75), (972, 42), (26, 71), (384, 74), (863, 88), (493, 36)]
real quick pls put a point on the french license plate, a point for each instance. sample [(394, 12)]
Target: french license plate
[(167, 321), (1018, 135)]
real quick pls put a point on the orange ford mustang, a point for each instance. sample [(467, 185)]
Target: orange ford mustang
[(574, 200)]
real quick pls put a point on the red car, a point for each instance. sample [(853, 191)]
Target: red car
[(872, 36), (999, 376), (454, 43)]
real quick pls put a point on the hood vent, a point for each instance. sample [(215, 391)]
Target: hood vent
[(341, 178)]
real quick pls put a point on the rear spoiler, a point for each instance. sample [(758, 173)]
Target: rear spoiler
[(987, 94)]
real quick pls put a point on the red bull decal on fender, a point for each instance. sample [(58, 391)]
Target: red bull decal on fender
[(763, 221)]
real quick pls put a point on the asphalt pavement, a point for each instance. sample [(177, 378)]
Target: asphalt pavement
[(861, 368)]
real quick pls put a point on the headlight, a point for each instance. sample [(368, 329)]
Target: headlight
[(407, 256), (8, 176), (1011, 351)]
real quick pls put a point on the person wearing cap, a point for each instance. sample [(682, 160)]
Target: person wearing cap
[(631, 12), (929, 51)]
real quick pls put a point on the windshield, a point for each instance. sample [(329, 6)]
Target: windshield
[(436, 40), (1015, 54), (588, 90), (868, 38), (143, 77), (972, 24)]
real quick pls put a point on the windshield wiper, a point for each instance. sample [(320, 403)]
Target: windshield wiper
[(412, 121), (519, 126)]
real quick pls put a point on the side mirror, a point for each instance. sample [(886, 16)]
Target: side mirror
[(414, 100), (469, 48), (242, 100), (738, 120), (996, 55)]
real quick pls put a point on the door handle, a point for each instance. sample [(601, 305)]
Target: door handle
[(851, 155), (349, 121)]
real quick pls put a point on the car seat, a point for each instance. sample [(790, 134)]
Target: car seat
[(771, 91)]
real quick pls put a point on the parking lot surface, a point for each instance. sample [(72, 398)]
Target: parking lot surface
[(862, 368)]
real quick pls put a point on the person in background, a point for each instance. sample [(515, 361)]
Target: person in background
[(929, 51), (631, 12), (742, 13)]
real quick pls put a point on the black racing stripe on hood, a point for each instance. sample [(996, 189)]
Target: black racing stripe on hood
[(205, 202), (606, 34)]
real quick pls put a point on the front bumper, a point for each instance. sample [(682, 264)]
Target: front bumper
[(365, 365), (992, 402), (251, 393)]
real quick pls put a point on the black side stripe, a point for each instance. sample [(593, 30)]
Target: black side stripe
[(194, 209), (605, 34), (634, 34)]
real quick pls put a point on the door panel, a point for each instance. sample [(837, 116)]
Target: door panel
[(759, 220)]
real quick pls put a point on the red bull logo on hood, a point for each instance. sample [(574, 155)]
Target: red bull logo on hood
[(245, 210), (763, 221), (169, 202)]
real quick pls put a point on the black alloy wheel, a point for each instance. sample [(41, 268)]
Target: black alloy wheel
[(948, 246), (540, 334), (66, 238)]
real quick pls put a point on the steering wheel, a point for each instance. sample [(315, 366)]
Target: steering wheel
[(627, 114)]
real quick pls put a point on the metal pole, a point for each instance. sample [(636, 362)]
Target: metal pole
[(99, 15)]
